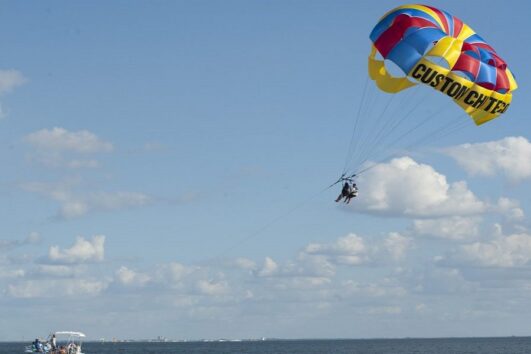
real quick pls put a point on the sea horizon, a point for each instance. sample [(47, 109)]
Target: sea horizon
[(202, 340)]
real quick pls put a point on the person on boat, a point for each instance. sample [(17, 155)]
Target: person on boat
[(54, 342), (72, 348), (345, 192), (34, 344), (39, 348)]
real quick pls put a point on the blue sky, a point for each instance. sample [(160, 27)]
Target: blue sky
[(146, 145)]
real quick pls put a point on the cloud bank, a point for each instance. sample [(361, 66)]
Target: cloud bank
[(404, 187), (510, 156)]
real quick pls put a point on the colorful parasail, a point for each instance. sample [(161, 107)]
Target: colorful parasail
[(434, 48)]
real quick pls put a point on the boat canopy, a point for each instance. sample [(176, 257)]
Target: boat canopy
[(70, 333)]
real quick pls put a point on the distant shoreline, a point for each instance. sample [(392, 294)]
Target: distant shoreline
[(226, 340)]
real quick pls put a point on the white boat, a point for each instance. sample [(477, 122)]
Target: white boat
[(68, 342)]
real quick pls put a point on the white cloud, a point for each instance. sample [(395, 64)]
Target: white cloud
[(32, 238), (510, 208), (58, 270), (404, 187), (245, 263), (60, 192), (466, 228), (153, 146), (506, 251), (77, 163), (73, 209), (421, 308), (510, 156), (176, 278), (353, 250), (73, 205), (437, 281), (350, 250), (117, 200), (9, 79), (56, 288), (384, 289), (300, 283), (55, 147), (56, 159), (269, 268), (384, 310), (60, 139), (305, 272), (212, 288), (82, 251), (6, 272), (129, 277), (452, 228), (397, 245), (76, 206), (311, 265), (174, 273)]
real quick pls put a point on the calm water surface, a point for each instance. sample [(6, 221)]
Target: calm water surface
[(513, 345)]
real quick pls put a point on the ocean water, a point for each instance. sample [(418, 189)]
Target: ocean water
[(512, 345)]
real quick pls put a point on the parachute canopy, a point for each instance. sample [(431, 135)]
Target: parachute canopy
[(437, 49)]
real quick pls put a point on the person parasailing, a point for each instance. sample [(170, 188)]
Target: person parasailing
[(353, 193), (345, 192), (349, 190)]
